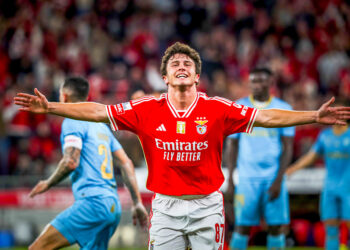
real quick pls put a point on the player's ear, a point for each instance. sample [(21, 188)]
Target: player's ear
[(65, 97), (165, 80), (196, 79)]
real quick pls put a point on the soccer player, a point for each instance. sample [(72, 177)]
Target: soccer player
[(333, 144), (182, 134), (88, 151), (261, 190)]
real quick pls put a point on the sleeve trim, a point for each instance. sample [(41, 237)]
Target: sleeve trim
[(251, 122), (72, 141), (113, 123)]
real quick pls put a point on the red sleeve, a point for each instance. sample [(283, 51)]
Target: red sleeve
[(239, 118), (123, 116)]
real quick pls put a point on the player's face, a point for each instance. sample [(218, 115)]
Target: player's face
[(181, 71), (259, 84)]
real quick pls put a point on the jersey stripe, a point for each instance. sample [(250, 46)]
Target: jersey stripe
[(111, 118), (171, 107), (190, 109), (251, 121), (143, 99), (222, 100)]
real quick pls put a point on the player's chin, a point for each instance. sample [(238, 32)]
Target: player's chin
[(185, 82)]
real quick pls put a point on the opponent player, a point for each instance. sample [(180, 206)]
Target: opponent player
[(88, 150), (182, 134), (333, 144), (260, 171)]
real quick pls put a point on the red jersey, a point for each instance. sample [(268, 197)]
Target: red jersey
[(183, 150)]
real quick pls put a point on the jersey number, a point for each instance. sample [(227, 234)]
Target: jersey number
[(103, 150), (219, 232)]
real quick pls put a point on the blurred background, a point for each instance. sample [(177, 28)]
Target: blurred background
[(118, 44)]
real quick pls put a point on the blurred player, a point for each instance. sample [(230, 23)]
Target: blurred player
[(88, 151), (261, 191), (333, 144), (182, 134)]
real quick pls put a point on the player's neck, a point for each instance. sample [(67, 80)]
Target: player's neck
[(339, 130), (181, 99), (262, 98), (260, 103)]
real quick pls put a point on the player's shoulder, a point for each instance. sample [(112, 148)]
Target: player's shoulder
[(244, 101), (71, 123), (281, 103), (327, 132), (214, 100), (149, 100)]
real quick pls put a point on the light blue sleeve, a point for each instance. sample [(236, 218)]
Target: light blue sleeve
[(115, 145), (287, 131), (73, 127), (234, 136), (318, 147)]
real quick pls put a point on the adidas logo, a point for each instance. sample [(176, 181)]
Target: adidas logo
[(161, 128)]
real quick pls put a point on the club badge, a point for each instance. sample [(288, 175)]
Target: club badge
[(201, 127)]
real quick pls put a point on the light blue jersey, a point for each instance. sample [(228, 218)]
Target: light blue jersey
[(335, 197), (336, 152), (94, 175), (95, 214), (258, 164), (259, 152)]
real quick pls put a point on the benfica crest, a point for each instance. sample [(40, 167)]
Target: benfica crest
[(201, 127)]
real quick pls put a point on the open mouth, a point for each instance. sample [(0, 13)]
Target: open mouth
[(181, 76)]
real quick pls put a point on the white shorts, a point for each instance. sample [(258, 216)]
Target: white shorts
[(178, 224)]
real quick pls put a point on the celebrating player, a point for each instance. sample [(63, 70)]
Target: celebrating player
[(182, 134), (261, 175), (334, 145), (88, 150)]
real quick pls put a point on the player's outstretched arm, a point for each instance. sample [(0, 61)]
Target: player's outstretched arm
[(303, 162), (139, 213), (86, 111), (66, 165), (272, 118)]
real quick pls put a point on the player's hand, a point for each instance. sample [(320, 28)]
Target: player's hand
[(39, 188), (139, 213), (332, 115), (274, 190), (34, 103), (290, 171)]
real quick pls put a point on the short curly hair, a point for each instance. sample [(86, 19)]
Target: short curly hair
[(180, 48)]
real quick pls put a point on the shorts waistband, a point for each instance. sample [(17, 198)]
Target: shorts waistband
[(185, 197)]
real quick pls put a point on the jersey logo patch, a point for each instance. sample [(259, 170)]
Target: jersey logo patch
[(126, 106), (244, 110), (120, 109), (161, 128), (201, 127), (181, 127)]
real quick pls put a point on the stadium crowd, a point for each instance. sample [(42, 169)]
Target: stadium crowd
[(117, 45)]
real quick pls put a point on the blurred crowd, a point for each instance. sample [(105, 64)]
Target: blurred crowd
[(118, 44)]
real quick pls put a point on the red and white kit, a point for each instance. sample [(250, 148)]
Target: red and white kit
[(183, 149)]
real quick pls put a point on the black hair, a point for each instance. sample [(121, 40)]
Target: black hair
[(264, 70), (78, 87)]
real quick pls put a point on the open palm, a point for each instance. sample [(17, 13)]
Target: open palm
[(34, 103), (332, 115)]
